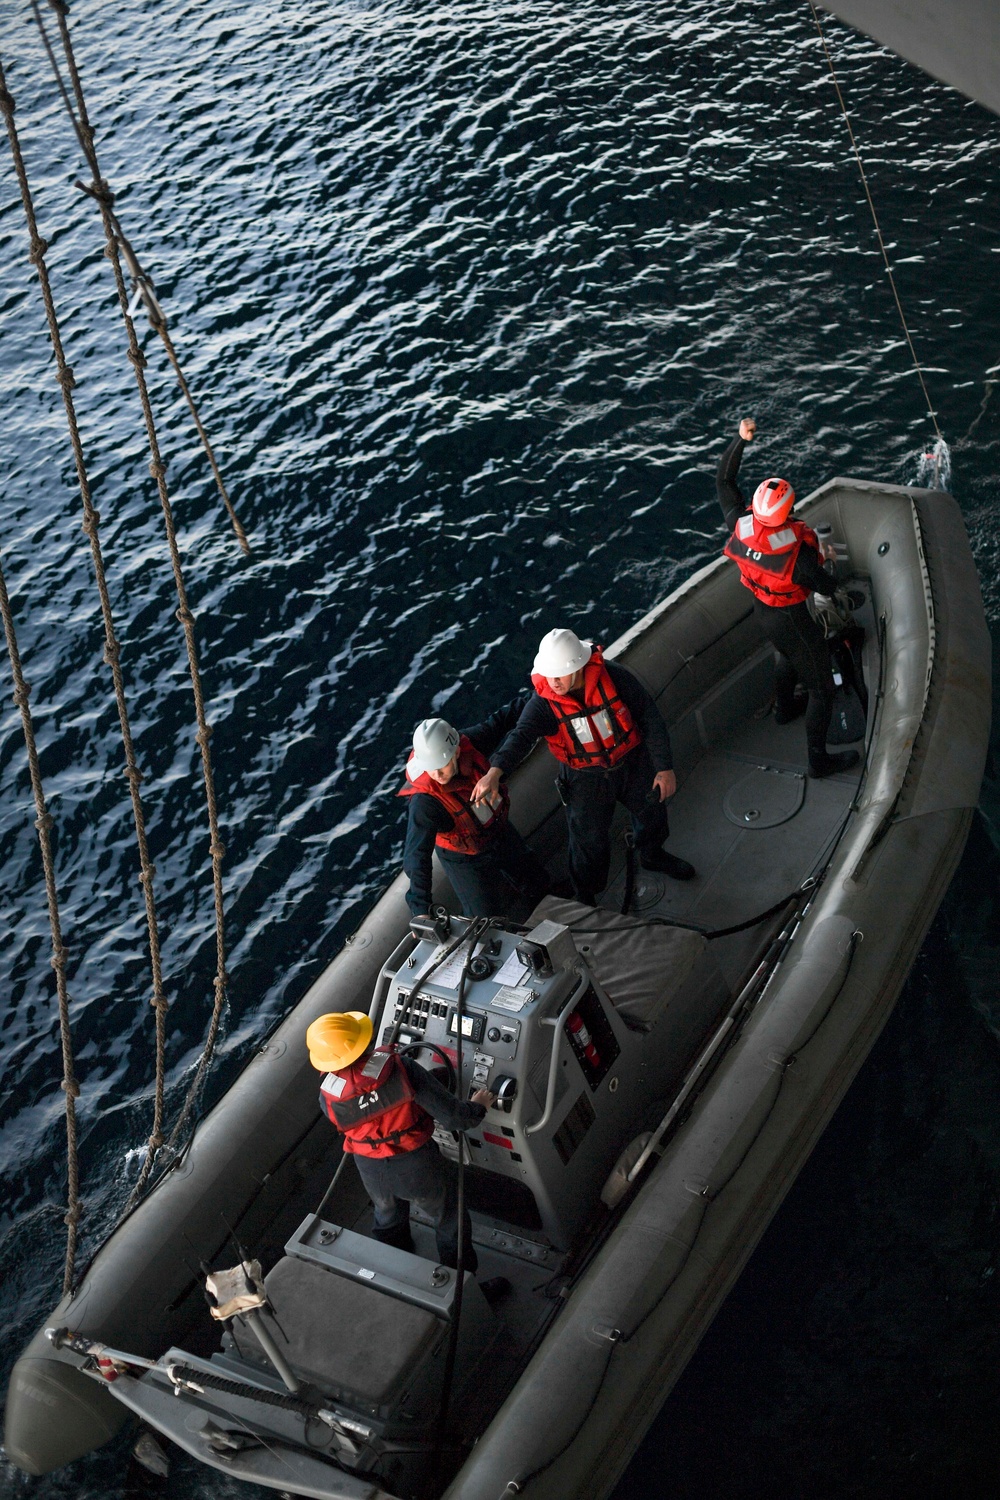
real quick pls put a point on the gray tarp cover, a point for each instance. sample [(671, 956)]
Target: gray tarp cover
[(641, 975)]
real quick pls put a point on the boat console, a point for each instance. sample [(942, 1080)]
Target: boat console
[(340, 1353), (539, 1031)]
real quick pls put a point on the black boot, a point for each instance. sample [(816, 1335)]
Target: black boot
[(494, 1289), (667, 864), (787, 713), (829, 765)]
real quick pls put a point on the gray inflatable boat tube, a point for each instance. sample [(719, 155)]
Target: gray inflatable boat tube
[(581, 1407)]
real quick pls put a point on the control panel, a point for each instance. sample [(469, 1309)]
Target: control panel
[(540, 1033)]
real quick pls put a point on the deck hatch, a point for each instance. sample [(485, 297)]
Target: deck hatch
[(764, 798)]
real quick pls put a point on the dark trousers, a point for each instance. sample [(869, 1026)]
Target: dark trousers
[(488, 884), (803, 656), (425, 1178), (590, 798)]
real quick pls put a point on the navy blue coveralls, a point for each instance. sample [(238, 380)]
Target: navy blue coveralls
[(487, 884), (590, 795), (803, 654), (423, 1177)]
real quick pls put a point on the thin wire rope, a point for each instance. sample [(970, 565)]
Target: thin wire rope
[(878, 228), (143, 284), (112, 653), (988, 389), (43, 822), (100, 190)]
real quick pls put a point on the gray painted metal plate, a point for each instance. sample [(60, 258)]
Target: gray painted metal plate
[(764, 798)]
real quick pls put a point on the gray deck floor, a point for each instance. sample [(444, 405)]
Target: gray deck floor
[(740, 870)]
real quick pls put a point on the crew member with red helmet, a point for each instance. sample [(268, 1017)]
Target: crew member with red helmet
[(781, 563), (384, 1106), (603, 727), (488, 863)]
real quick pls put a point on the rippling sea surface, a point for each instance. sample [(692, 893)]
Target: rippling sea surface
[(471, 297)]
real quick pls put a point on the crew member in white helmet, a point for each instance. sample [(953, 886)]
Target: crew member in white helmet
[(609, 736), (491, 869)]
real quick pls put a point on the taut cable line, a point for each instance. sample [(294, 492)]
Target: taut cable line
[(102, 194), (112, 654), (43, 822), (142, 283), (878, 228)]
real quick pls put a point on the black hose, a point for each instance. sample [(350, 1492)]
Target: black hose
[(629, 892), (333, 1182), (707, 934), (433, 1047), (406, 1010), (474, 931)]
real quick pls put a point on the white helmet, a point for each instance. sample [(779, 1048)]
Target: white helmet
[(434, 744), (561, 653)]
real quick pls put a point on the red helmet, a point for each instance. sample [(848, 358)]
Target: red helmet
[(772, 501)]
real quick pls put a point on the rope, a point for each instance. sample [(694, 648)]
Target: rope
[(988, 389), (91, 525), (43, 822), (878, 229), (168, 344), (141, 282), (101, 192)]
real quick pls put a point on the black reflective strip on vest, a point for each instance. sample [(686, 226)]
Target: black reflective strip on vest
[(373, 1102), (478, 828), (773, 561), (393, 1138), (618, 735), (566, 719)]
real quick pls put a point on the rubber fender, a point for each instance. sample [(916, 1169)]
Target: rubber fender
[(56, 1414), (810, 986)]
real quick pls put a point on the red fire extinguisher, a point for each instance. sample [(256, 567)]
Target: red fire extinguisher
[(583, 1039)]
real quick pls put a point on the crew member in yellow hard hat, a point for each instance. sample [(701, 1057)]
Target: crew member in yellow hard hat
[(603, 727), (385, 1106), (491, 869)]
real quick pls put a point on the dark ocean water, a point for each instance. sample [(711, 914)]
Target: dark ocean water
[(471, 296)]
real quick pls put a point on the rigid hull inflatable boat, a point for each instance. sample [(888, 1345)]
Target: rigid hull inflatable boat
[(665, 1065)]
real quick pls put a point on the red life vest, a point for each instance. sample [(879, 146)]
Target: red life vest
[(473, 827), (373, 1106), (766, 557), (600, 731)]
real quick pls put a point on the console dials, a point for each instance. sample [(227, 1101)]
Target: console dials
[(503, 1035), (505, 1089)]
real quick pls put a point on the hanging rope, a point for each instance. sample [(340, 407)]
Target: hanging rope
[(43, 822), (878, 228), (102, 194), (988, 389), (112, 655), (142, 283)]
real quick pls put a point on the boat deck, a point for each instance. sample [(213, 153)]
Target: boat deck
[(741, 870), (754, 826), (746, 814)]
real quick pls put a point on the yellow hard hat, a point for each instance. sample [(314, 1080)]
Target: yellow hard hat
[(336, 1040)]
